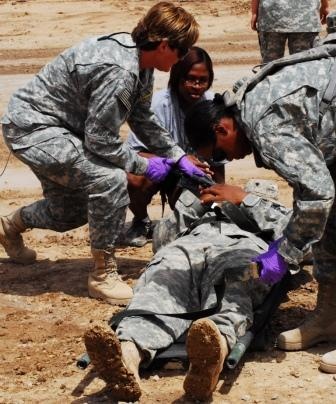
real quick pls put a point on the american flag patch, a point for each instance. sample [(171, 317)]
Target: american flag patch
[(124, 96)]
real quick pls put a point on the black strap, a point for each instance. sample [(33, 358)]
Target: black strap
[(238, 217), (103, 38), (330, 92), (193, 315), (163, 200)]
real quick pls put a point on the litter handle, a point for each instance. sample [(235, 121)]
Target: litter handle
[(83, 362)]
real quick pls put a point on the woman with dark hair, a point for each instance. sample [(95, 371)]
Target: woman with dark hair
[(189, 82)]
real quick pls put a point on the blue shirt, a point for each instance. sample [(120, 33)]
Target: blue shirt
[(166, 108)]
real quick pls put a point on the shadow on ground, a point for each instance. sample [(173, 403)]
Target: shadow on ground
[(68, 276)]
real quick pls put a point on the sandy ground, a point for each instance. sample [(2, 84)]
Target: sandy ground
[(44, 307)]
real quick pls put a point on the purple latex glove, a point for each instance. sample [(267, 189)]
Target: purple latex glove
[(187, 167), (158, 168), (273, 266)]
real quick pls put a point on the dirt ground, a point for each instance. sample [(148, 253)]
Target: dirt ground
[(45, 308)]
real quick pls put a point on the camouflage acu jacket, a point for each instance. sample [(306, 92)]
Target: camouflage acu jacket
[(90, 90), (289, 16), (268, 217), (280, 113)]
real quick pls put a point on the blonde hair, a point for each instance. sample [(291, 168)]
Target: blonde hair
[(166, 21)]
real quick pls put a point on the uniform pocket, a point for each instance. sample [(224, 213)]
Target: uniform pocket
[(53, 154), (187, 198)]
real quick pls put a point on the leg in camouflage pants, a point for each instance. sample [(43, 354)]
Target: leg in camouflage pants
[(181, 278), (78, 187), (272, 44)]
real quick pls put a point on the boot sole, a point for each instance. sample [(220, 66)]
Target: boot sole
[(22, 261), (104, 350), (206, 354), (299, 346), (113, 302), (327, 367)]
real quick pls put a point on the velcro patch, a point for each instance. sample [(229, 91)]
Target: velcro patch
[(146, 96)]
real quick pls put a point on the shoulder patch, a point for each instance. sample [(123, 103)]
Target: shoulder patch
[(146, 96), (124, 96)]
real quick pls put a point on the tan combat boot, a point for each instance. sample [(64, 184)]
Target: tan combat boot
[(11, 227), (319, 327), (104, 282), (207, 350), (108, 357), (328, 362)]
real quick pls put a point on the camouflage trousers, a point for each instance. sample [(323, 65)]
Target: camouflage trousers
[(324, 251), (78, 188), (181, 278), (272, 44)]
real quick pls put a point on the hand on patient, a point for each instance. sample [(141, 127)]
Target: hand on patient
[(190, 165), (272, 266), (221, 193)]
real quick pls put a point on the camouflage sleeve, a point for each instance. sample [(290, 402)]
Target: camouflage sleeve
[(159, 107), (188, 208), (267, 215), (281, 137), (107, 110), (149, 130)]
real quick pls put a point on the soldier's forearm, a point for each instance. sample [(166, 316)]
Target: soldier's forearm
[(254, 6), (324, 3)]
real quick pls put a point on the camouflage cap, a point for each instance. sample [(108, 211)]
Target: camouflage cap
[(264, 188)]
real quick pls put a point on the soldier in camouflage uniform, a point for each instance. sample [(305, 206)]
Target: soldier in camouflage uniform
[(278, 21), (181, 277), (283, 117), (65, 126)]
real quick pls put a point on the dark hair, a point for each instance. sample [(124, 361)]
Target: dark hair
[(202, 117), (181, 69)]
